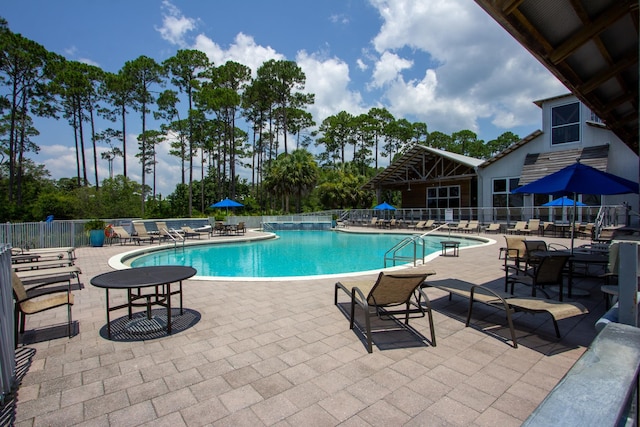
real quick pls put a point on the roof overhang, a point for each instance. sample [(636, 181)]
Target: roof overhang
[(591, 46), (420, 164)]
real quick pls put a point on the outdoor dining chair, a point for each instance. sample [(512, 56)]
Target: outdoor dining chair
[(37, 300), (377, 298)]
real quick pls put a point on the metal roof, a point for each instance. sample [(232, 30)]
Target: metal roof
[(591, 46), (417, 164)]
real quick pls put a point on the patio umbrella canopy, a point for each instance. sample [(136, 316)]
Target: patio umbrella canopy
[(384, 207), (226, 203), (579, 179), (564, 201)]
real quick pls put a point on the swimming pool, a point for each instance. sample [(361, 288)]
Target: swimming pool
[(294, 254)]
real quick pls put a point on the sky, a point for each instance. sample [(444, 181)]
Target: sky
[(442, 62)]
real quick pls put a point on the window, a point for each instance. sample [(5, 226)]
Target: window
[(443, 197), (565, 123), (502, 197)]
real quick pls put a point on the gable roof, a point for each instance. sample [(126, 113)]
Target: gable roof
[(513, 147), (414, 165), (591, 46)]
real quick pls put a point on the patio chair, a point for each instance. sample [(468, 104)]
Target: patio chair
[(533, 225), (429, 224), (121, 234), (586, 230), (142, 235), (389, 290), (519, 228), (241, 228), (532, 246), (610, 291), (418, 226), (471, 227), (374, 221), (32, 302), (492, 228), (190, 232), (218, 227), (514, 251), (165, 233), (508, 303), (548, 273)]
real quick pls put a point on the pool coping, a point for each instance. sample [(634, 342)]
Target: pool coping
[(116, 261)]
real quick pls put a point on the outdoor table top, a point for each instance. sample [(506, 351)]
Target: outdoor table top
[(141, 277)]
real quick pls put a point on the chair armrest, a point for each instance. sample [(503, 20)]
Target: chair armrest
[(557, 246)]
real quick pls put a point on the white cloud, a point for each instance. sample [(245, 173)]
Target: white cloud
[(243, 50), (175, 25), (388, 69), (329, 80), (476, 69)]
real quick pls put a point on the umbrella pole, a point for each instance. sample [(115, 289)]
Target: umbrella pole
[(573, 220)]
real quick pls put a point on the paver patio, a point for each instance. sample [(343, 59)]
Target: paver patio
[(280, 353)]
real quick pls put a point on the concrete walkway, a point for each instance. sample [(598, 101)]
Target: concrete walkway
[(281, 353)]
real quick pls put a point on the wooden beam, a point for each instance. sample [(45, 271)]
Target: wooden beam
[(631, 58), (510, 5), (589, 31)]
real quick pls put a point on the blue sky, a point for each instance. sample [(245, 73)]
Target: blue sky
[(442, 62)]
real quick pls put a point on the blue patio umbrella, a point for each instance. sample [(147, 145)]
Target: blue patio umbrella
[(226, 203), (579, 179), (564, 201), (384, 207)]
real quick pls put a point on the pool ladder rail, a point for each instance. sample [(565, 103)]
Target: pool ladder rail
[(392, 254), (174, 235)]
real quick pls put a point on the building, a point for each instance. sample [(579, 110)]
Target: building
[(570, 132), (431, 178)]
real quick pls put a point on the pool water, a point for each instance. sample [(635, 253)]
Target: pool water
[(294, 253)]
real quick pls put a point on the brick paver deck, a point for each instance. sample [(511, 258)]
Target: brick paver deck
[(280, 353)]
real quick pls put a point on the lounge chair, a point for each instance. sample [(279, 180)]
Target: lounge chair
[(166, 233), (190, 232), (547, 273), (141, 233), (36, 302), (508, 303), (519, 228), (492, 228), (586, 230), (429, 224), (55, 252), (389, 290), (121, 234), (35, 265), (533, 225), (472, 226), (418, 226), (50, 275)]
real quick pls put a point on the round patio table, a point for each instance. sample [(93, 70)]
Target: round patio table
[(156, 279)]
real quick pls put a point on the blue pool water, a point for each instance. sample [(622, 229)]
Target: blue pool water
[(295, 253)]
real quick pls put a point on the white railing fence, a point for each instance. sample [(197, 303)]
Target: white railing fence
[(7, 345)]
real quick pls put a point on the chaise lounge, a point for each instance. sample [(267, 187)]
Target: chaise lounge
[(508, 303)]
